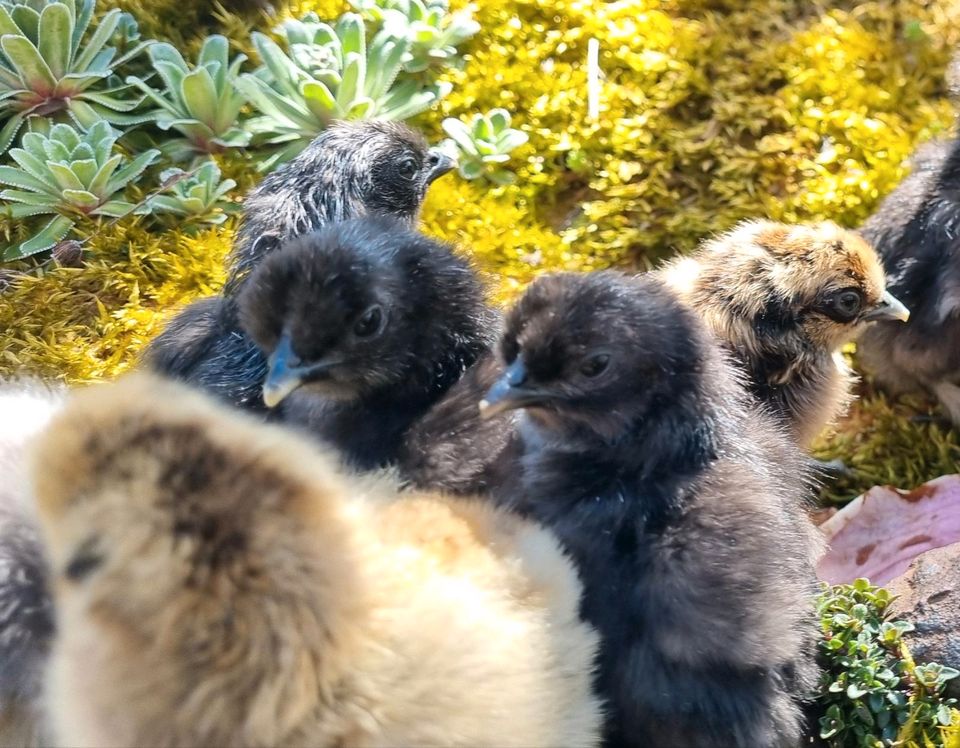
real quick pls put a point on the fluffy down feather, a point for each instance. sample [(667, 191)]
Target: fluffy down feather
[(219, 583), (26, 615), (784, 300), (679, 500)]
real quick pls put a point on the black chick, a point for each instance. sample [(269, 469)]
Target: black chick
[(679, 501), (350, 170), (916, 231), (365, 325)]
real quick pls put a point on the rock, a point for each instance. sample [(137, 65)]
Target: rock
[(929, 598)]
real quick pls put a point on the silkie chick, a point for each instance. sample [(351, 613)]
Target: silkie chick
[(349, 170), (916, 230), (219, 583), (363, 326), (680, 503), (784, 300)]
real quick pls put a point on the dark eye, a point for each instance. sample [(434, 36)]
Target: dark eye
[(595, 365), (848, 303), (369, 323), (408, 167)]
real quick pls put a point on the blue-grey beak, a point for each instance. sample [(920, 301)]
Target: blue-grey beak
[(286, 374), (510, 392), (439, 162)]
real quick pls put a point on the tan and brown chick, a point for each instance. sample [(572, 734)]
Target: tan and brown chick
[(784, 299)]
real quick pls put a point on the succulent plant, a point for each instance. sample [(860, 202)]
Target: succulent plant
[(197, 197), (330, 73), (68, 174), (200, 102), (49, 64), (484, 144), (433, 33)]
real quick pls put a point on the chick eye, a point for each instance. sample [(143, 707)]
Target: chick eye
[(408, 168), (848, 303), (369, 323), (595, 365)]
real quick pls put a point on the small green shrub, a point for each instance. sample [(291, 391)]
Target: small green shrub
[(872, 693)]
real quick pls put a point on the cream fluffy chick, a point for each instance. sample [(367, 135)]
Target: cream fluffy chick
[(219, 582)]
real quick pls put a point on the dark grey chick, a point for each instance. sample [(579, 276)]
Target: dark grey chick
[(350, 170), (916, 231), (680, 502), (364, 325)]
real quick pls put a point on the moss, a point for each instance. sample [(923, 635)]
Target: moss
[(711, 111)]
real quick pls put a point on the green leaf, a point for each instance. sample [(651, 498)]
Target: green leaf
[(82, 17), (55, 32), (351, 32), (10, 130), (14, 177), (319, 100), (115, 209), (7, 24), (27, 20), (131, 171), (98, 183), (93, 45), (511, 139), (45, 239), (81, 199), (216, 49), (354, 71), (66, 179), (200, 95), (460, 134), (33, 166), (29, 63)]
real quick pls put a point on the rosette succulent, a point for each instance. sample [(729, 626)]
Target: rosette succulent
[(68, 174), (200, 102), (328, 73), (50, 65), (433, 33), (484, 144), (199, 197)]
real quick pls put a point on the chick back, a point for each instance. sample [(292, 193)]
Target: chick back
[(205, 346)]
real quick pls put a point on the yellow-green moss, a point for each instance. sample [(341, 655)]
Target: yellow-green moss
[(711, 111)]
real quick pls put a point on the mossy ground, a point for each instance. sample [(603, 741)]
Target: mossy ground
[(711, 112)]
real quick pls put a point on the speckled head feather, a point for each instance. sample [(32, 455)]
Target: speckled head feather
[(595, 340), (352, 169), (784, 299)]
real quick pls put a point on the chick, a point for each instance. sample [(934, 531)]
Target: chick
[(784, 300), (364, 326), (350, 170), (679, 501), (915, 232), (26, 616), (219, 583)]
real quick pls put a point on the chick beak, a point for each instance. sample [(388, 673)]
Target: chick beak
[(890, 307), (509, 392), (439, 162), (286, 375)]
